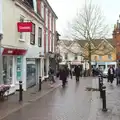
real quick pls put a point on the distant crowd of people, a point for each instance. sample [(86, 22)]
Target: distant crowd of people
[(64, 72), (112, 73)]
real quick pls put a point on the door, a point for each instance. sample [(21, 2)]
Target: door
[(31, 72)]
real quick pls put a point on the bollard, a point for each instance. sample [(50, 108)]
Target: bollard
[(101, 84), (99, 81), (20, 91), (40, 83), (104, 98)]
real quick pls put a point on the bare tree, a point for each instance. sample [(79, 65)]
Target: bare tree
[(89, 25)]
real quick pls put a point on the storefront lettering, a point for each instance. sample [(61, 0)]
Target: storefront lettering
[(10, 51)]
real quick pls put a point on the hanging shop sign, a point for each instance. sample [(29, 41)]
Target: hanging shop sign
[(24, 26)]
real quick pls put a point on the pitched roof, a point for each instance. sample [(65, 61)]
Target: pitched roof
[(67, 42), (83, 42)]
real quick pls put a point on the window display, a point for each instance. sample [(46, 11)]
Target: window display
[(7, 69), (19, 68)]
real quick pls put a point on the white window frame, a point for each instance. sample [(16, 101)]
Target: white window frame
[(22, 19)]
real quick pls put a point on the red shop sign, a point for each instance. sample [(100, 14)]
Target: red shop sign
[(9, 51), (24, 26)]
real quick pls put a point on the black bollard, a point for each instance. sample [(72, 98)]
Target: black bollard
[(101, 84), (20, 91), (104, 98), (40, 83)]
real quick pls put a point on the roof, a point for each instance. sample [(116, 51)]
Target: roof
[(83, 42), (67, 42)]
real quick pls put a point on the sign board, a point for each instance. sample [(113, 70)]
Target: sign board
[(24, 26)]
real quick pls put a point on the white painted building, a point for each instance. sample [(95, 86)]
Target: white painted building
[(24, 53), (71, 53), (21, 51)]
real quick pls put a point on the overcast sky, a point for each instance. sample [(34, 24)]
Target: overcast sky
[(66, 10)]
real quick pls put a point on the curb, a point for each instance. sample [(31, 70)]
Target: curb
[(29, 102)]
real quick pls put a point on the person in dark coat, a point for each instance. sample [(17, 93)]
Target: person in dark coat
[(111, 73), (63, 76), (77, 72)]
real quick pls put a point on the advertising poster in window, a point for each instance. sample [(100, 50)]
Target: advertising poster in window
[(19, 68)]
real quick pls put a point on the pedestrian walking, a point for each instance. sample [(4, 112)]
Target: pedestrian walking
[(51, 75), (77, 72), (63, 76), (118, 74), (111, 73)]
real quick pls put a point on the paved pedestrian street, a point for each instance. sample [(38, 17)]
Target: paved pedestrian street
[(71, 103)]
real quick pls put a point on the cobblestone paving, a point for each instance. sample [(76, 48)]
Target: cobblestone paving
[(71, 103)]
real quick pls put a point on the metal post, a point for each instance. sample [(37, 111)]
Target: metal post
[(104, 98), (20, 91), (101, 84), (40, 83), (99, 77)]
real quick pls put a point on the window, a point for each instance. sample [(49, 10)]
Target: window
[(100, 57), (76, 57), (7, 69), (109, 57), (66, 56), (21, 33), (32, 35), (40, 37)]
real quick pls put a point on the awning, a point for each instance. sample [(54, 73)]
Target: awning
[(11, 51)]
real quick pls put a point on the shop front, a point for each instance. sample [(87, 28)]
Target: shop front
[(34, 66), (31, 71), (13, 66)]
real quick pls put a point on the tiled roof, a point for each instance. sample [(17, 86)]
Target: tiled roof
[(67, 42), (83, 42)]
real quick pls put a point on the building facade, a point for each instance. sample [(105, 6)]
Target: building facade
[(103, 56), (24, 53), (69, 51), (116, 39)]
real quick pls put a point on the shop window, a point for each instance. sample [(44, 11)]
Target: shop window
[(7, 69), (19, 68), (21, 33), (40, 37), (109, 57), (32, 35)]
